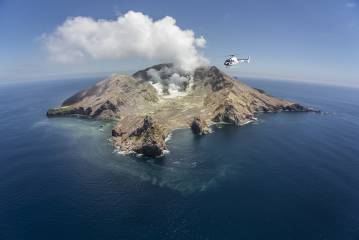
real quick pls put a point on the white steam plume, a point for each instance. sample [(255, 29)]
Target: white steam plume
[(169, 83), (131, 35)]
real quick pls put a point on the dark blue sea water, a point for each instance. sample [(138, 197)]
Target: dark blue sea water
[(288, 176)]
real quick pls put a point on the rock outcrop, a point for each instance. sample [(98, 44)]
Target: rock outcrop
[(146, 116), (199, 126), (140, 135)]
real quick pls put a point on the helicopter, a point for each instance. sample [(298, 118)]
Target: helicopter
[(233, 60)]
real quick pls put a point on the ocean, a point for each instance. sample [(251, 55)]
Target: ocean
[(286, 176)]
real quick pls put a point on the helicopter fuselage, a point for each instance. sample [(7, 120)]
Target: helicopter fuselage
[(231, 61)]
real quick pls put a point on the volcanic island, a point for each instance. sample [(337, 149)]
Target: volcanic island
[(147, 106)]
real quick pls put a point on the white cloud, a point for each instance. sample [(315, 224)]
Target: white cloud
[(131, 35)]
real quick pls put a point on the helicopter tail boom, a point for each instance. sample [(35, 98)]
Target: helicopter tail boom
[(245, 60)]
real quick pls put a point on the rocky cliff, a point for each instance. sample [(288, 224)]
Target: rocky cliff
[(151, 103)]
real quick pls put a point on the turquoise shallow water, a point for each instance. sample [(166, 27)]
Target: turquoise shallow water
[(287, 176)]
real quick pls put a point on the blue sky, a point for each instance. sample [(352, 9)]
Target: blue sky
[(314, 41)]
